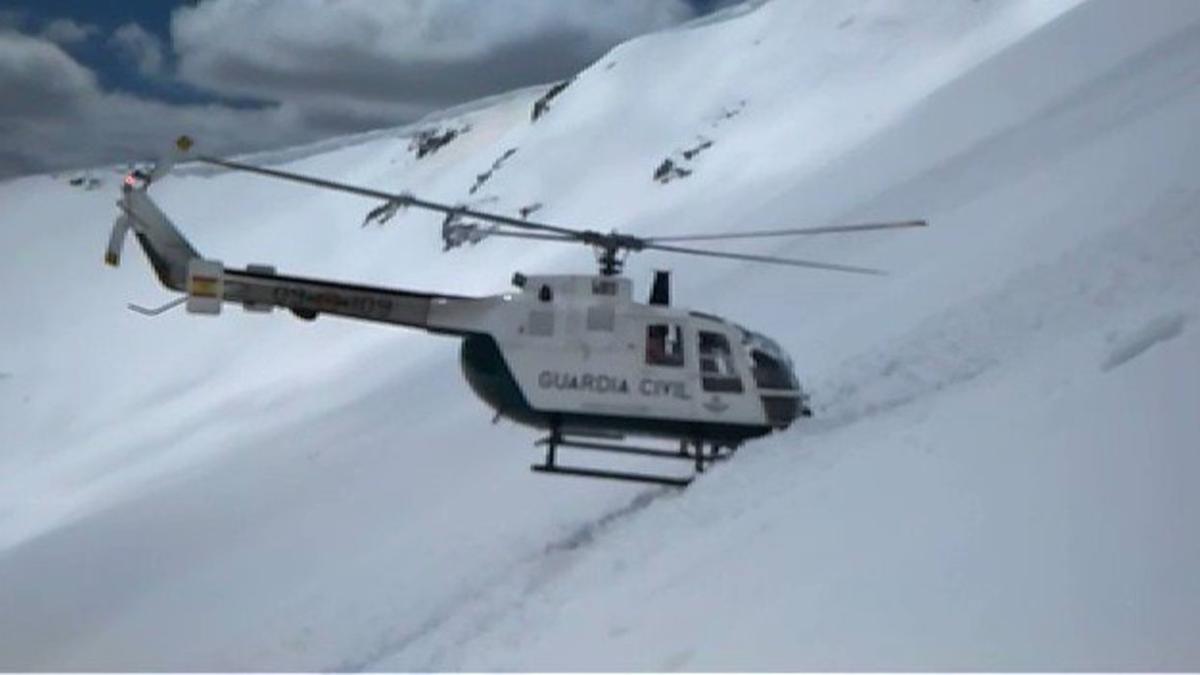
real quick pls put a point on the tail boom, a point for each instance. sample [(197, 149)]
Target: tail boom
[(208, 283)]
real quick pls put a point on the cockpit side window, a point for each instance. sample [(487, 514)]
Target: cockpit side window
[(717, 370), (772, 369), (664, 344)]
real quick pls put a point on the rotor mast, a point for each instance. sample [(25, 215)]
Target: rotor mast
[(612, 249), (610, 261)]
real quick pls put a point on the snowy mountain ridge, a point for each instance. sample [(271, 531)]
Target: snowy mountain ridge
[(999, 474)]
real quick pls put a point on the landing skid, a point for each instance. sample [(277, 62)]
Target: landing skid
[(695, 456), (613, 475)]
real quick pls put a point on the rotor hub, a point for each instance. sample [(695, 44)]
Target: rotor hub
[(612, 249)]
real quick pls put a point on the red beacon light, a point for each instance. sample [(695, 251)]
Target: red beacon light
[(136, 179)]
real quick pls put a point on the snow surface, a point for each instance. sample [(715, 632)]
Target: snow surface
[(1000, 475)]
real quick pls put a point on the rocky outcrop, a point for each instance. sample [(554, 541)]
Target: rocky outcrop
[(429, 141), (482, 178), (676, 165), (542, 105)]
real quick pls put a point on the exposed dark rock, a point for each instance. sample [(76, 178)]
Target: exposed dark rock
[(482, 178), (692, 152), (382, 213), (528, 209), (675, 166), (429, 141), (542, 105), (668, 171), (730, 112), (86, 182)]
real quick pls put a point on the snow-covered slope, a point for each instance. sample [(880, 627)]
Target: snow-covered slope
[(1000, 473)]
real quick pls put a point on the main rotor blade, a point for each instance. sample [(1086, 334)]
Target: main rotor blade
[(406, 200), (830, 229), (768, 259), (530, 235)]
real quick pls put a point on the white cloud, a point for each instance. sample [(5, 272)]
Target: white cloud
[(320, 67), (53, 115), (68, 32), (39, 78), (139, 47), (377, 59)]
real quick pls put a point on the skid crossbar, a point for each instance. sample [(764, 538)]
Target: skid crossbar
[(612, 475)]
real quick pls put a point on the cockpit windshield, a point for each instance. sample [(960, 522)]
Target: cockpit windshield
[(772, 367)]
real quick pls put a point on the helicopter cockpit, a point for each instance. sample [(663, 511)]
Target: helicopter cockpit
[(771, 366), (775, 377)]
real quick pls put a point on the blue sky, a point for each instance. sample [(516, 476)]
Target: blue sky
[(98, 54), (103, 82)]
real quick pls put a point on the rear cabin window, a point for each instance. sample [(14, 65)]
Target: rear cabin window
[(664, 344), (717, 370)]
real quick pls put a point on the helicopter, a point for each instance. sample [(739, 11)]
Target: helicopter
[(573, 355)]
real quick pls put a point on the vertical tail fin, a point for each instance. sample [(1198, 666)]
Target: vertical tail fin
[(169, 252)]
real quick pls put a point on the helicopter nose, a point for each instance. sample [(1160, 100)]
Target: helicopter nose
[(784, 409)]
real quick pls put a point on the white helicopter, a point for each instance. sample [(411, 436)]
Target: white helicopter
[(574, 355)]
